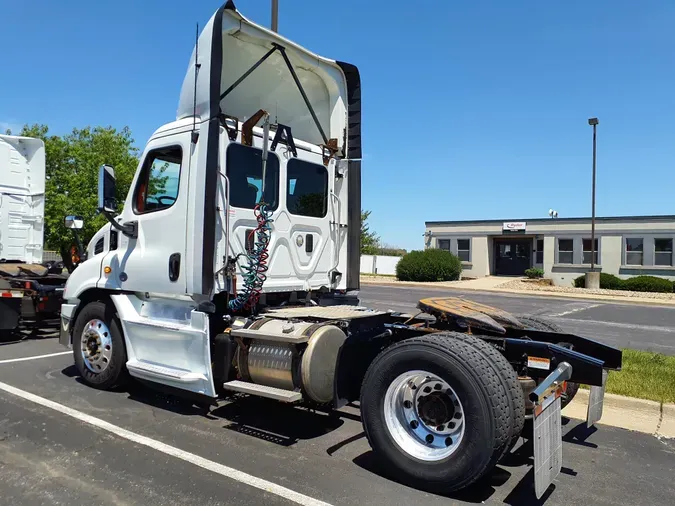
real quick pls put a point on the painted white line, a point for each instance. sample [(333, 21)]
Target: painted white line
[(209, 465), (574, 310), (23, 359)]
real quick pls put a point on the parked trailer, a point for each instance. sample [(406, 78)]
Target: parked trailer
[(231, 268), (27, 287)]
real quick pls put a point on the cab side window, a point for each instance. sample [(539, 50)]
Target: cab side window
[(158, 184)]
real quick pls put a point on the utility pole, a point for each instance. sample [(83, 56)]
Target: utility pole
[(594, 123), (592, 278), (275, 15)]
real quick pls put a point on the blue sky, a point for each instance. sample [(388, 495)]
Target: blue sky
[(471, 109)]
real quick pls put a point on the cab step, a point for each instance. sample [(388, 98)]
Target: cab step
[(278, 394)]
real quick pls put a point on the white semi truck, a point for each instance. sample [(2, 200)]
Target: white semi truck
[(28, 287), (229, 268)]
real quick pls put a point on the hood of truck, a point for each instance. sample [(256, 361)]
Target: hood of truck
[(229, 45)]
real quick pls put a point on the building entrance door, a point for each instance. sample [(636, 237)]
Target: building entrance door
[(513, 257)]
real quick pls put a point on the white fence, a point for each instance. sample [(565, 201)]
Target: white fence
[(378, 264)]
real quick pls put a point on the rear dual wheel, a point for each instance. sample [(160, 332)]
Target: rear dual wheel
[(440, 410)]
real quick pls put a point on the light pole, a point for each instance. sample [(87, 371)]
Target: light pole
[(594, 123), (275, 15)]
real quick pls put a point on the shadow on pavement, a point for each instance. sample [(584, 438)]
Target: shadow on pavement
[(31, 329), (477, 493), (278, 423), (579, 434)]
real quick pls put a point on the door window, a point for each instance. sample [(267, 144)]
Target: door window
[(307, 192), (158, 184), (244, 168)]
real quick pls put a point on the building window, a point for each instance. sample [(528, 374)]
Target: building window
[(539, 258), (587, 252), (663, 252), (565, 251), (464, 249), (307, 191), (444, 244), (634, 251), (157, 186)]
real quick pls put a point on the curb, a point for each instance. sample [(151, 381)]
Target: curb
[(529, 293), (640, 415)]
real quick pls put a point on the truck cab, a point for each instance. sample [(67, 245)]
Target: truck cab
[(250, 198)]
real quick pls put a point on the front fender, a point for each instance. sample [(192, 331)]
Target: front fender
[(83, 278)]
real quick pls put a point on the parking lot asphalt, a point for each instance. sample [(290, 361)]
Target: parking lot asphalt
[(643, 327), (77, 445)]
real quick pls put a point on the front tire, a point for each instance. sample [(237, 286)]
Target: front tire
[(98, 347), (436, 411)]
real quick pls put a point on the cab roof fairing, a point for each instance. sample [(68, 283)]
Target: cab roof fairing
[(333, 88)]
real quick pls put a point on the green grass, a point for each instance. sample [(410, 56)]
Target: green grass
[(644, 375)]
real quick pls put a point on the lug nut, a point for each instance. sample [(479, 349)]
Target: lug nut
[(440, 428), (448, 441), (407, 404), (451, 425), (437, 386), (414, 424), (429, 438), (427, 390)]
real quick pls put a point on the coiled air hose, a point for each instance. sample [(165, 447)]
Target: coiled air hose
[(254, 273)]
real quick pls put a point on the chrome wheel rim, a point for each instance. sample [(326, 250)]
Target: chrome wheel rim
[(96, 346), (424, 415)]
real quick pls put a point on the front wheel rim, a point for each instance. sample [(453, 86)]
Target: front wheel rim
[(96, 346), (424, 415)]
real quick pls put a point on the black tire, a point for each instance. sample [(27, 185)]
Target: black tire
[(115, 373), (513, 388), (536, 323), (463, 363)]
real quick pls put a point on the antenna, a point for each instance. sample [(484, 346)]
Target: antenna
[(195, 134)]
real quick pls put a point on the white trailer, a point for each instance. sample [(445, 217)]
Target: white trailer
[(26, 286), (228, 271)]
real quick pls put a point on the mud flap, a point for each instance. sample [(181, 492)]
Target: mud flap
[(547, 441), (596, 399)]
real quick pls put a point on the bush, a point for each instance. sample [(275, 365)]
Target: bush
[(534, 273), (607, 281), (429, 265), (647, 284)]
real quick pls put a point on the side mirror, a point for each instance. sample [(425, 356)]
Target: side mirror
[(106, 189), (74, 222)]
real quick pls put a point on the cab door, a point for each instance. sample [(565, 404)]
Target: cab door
[(154, 261)]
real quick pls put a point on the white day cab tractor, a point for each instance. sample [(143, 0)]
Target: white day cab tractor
[(230, 268)]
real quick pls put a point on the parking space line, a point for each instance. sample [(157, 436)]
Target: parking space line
[(209, 465), (23, 359)]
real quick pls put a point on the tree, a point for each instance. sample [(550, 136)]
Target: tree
[(369, 240), (71, 187)]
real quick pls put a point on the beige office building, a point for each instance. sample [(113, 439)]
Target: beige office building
[(625, 246)]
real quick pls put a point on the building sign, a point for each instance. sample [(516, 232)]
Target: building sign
[(513, 226)]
